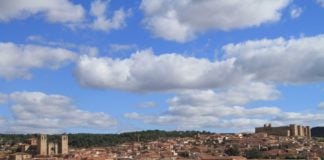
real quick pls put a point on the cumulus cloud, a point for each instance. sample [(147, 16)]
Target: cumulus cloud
[(148, 104), (144, 71), (216, 92), (320, 2), (40, 112), (65, 12), (278, 61), (17, 60), (197, 109), (295, 12), (58, 11), (121, 47), (181, 20), (208, 108), (313, 119), (321, 105), (3, 98), (296, 60), (101, 22)]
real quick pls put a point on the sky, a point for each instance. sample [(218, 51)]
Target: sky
[(112, 66)]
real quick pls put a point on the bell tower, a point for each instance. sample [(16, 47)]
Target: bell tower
[(42, 144), (64, 144)]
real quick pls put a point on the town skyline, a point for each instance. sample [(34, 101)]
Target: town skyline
[(268, 142), (114, 66)]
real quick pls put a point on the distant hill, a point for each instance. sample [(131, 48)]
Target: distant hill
[(100, 140), (317, 132), (103, 140)]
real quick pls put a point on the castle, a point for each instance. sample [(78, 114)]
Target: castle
[(291, 130)]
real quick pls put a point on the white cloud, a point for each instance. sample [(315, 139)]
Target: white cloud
[(65, 12), (148, 104), (3, 98), (122, 47), (238, 95), (321, 105), (207, 108), (35, 38), (279, 60), (181, 20), (60, 11), (101, 22), (313, 119), (132, 115), (201, 109), (320, 2), (17, 60), (295, 12), (265, 62), (144, 71), (39, 112), (81, 48)]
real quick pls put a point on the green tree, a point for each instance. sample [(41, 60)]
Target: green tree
[(254, 153), (232, 151)]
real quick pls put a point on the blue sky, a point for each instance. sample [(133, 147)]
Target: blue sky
[(115, 66)]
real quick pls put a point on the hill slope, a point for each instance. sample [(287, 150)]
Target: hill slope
[(317, 132)]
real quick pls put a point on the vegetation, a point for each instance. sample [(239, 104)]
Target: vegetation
[(319, 139), (84, 140), (254, 153), (317, 132), (12, 139), (232, 151)]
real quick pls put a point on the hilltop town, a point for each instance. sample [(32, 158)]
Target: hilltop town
[(161, 79), (284, 142)]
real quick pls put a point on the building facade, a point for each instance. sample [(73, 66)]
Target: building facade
[(20, 156), (291, 130), (52, 148)]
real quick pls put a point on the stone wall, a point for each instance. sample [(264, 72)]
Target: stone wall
[(291, 130)]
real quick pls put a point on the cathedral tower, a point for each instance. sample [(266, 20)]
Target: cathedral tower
[(63, 144), (42, 144)]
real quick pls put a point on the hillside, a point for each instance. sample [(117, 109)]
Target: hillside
[(80, 140), (317, 132)]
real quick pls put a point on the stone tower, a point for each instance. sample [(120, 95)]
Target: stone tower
[(63, 144), (293, 130), (42, 144)]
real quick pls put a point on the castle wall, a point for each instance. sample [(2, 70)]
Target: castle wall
[(300, 130), (305, 132), (291, 130), (278, 131), (309, 134)]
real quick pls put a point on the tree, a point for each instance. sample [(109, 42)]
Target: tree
[(254, 153), (232, 151)]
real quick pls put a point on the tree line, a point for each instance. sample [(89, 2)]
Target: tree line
[(85, 140)]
